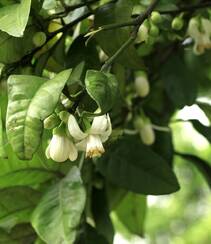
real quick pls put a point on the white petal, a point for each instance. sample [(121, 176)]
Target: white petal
[(104, 137), (81, 146), (59, 150), (74, 129), (94, 146), (99, 125), (73, 152)]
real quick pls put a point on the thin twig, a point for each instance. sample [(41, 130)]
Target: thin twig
[(137, 22)]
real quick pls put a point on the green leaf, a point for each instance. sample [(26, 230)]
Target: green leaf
[(17, 204), (12, 49), (102, 88), (20, 234), (101, 216), (91, 236), (132, 213), (14, 18), (79, 52), (31, 100), (180, 82), (58, 214), (111, 40), (135, 167), (203, 166), (202, 129)]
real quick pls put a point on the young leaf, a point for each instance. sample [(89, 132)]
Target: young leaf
[(135, 167), (111, 40), (132, 213), (14, 18), (102, 88), (17, 204), (58, 214), (31, 100)]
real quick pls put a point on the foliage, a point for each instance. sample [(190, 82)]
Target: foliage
[(96, 84)]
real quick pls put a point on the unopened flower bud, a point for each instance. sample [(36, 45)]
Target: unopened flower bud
[(177, 23), (147, 134), (154, 30), (156, 17), (142, 85), (51, 122), (39, 38)]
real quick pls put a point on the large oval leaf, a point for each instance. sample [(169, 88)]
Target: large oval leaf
[(111, 40), (58, 215), (31, 100), (135, 167), (14, 18)]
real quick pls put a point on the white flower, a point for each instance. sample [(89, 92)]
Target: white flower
[(61, 148), (92, 140), (201, 36)]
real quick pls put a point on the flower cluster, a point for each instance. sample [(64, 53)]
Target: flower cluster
[(200, 31), (63, 147)]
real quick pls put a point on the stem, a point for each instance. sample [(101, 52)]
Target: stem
[(137, 22)]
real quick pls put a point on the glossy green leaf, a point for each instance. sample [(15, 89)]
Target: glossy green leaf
[(20, 234), (132, 213), (111, 40), (31, 100), (58, 214), (180, 82), (135, 167), (14, 18), (17, 204), (102, 88)]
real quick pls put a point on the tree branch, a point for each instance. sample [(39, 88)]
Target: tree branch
[(137, 22)]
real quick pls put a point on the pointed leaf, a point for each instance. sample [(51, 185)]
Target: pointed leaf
[(14, 18), (31, 100), (58, 214)]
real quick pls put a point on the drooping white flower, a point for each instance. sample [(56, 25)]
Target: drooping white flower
[(92, 140), (201, 34), (61, 148)]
